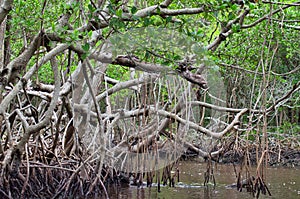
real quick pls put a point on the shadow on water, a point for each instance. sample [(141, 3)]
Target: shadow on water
[(282, 182)]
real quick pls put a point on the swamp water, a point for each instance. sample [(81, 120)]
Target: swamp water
[(283, 183)]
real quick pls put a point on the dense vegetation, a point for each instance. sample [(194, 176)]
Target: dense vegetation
[(94, 90)]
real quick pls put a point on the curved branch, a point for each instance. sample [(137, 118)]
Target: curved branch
[(29, 130), (135, 63), (5, 102), (226, 31), (287, 73), (201, 152), (281, 3), (48, 114), (278, 102), (240, 68), (289, 26), (13, 69), (266, 16), (215, 107), (123, 85), (200, 128)]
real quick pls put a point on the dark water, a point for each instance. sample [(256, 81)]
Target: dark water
[(283, 183)]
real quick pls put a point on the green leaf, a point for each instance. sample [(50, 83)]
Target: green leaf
[(116, 23), (158, 10), (147, 21), (53, 26), (236, 27), (222, 6), (90, 33), (133, 10), (111, 9), (84, 56), (252, 6), (168, 19), (119, 13), (234, 7), (91, 8), (231, 16), (86, 47)]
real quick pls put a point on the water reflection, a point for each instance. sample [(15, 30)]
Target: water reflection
[(282, 182)]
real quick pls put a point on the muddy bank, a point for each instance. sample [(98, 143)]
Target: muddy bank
[(70, 178), (276, 157)]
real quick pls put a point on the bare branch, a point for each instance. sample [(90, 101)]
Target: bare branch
[(29, 130), (153, 10), (185, 11), (266, 17), (290, 27), (215, 107), (166, 3), (226, 31), (14, 68), (201, 152), (200, 128), (295, 88), (123, 85), (287, 73), (133, 62), (240, 68), (5, 103), (194, 78), (53, 103), (281, 3)]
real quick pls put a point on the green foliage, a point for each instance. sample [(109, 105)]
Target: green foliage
[(289, 128), (118, 72), (149, 43), (269, 44), (45, 74)]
